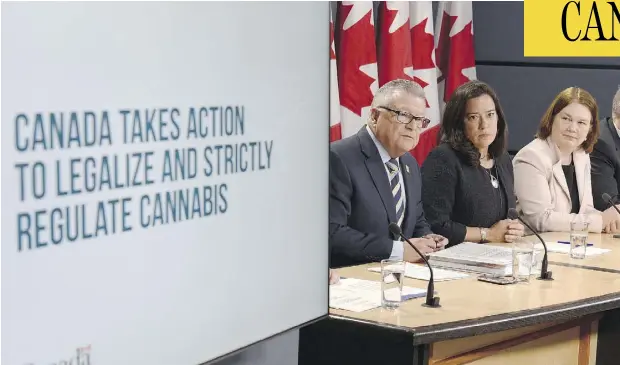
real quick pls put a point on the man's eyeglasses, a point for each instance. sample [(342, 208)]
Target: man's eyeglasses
[(406, 118)]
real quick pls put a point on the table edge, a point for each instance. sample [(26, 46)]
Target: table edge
[(584, 267), (499, 322)]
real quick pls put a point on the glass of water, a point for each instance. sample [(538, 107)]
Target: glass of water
[(539, 254), (578, 238), (392, 275), (522, 259)]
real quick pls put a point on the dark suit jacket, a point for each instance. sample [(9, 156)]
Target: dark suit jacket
[(361, 205), (605, 160), (457, 195)]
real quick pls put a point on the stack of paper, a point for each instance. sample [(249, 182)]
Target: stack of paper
[(358, 295), (474, 257), (565, 248), (422, 272)]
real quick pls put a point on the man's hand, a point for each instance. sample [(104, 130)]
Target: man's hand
[(440, 241), (425, 245), (334, 278)]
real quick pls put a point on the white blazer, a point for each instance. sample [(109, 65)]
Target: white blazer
[(542, 193)]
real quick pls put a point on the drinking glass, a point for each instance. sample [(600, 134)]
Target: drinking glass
[(522, 259), (539, 254), (578, 238), (392, 275)]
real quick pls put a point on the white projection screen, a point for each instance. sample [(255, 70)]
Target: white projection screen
[(164, 178)]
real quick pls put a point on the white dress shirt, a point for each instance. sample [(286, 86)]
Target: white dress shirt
[(397, 246)]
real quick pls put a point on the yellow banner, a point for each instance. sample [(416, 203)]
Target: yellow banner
[(562, 28)]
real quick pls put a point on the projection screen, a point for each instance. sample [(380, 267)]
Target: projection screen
[(164, 178)]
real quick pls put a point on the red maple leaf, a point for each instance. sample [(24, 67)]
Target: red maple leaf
[(423, 84), (422, 45), (454, 54), (428, 141), (335, 132), (356, 48), (332, 54), (394, 48)]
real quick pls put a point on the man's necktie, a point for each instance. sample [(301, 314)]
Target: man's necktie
[(397, 191)]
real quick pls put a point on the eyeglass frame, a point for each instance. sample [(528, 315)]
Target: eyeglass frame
[(423, 122)]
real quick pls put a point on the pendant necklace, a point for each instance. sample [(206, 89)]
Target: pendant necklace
[(494, 180)]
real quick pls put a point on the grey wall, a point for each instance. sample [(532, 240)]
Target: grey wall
[(526, 86)]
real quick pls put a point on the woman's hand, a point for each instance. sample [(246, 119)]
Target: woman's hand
[(515, 230), (611, 221), (506, 230)]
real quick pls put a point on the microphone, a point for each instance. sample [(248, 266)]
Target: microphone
[(544, 273), (431, 300), (609, 201), (607, 198)]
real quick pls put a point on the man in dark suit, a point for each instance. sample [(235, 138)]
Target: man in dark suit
[(374, 181), (605, 159)]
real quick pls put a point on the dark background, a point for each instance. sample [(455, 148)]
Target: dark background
[(526, 86)]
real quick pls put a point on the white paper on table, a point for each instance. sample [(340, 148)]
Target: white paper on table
[(565, 248), (359, 295), (423, 273)]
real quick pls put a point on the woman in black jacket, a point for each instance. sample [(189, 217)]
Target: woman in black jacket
[(467, 180)]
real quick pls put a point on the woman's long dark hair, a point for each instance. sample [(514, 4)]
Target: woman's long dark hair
[(452, 129)]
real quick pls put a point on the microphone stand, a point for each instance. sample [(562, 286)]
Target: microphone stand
[(609, 201), (544, 273), (607, 198), (431, 300)]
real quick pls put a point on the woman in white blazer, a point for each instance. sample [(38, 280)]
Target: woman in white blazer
[(552, 173)]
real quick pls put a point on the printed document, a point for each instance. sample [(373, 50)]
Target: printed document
[(359, 295), (422, 272), (565, 248)]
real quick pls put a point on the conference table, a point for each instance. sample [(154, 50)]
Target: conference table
[(573, 319)]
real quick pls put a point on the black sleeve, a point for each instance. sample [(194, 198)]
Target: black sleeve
[(603, 176), (439, 184), (343, 239), (511, 198), (422, 227)]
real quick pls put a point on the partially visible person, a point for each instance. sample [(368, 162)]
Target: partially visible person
[(467, 180), (334, 278), (552, 173), (374, 181), (605, 158)]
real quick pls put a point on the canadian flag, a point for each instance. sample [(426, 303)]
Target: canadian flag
[(335, 132), (454, 43), (424, 72), (454, 52), (356, 62), (394, 45)]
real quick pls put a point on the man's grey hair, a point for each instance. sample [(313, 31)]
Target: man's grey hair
[(383, 96), (615, 105)]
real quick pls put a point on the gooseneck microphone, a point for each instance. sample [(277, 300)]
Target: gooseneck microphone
[(431, 300), (544, 273), (607, 198), (609, 201)]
